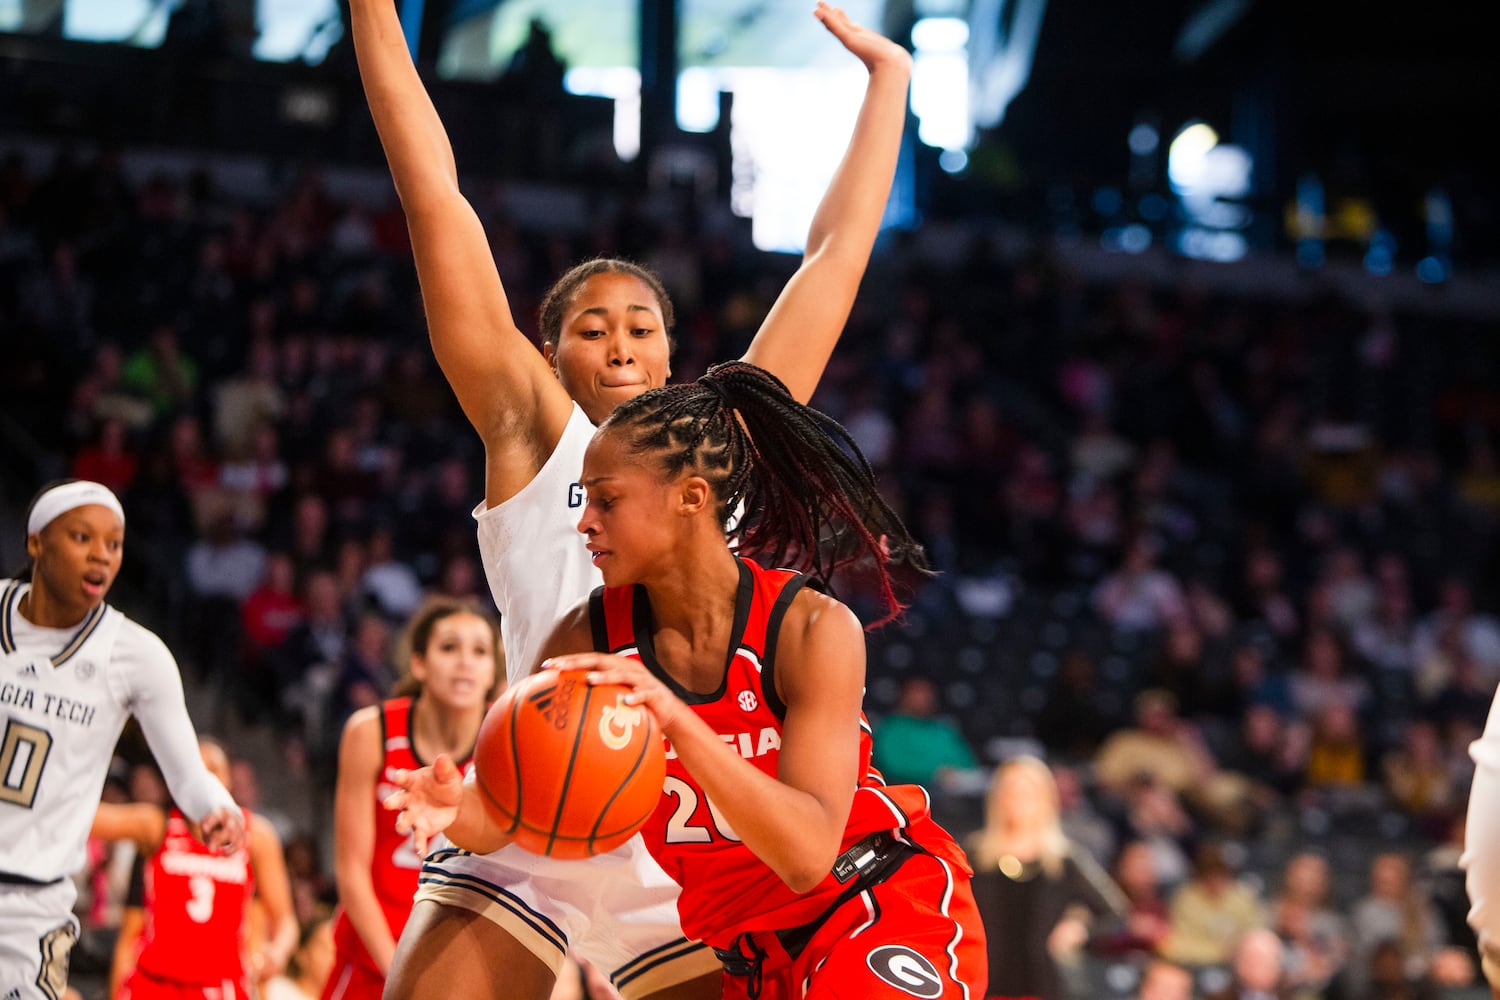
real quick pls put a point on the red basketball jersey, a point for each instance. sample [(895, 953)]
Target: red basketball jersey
[(195, 903), (395, 864), (726, 889)]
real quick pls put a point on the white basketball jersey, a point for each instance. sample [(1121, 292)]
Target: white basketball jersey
[(536, 561), (60, 716)]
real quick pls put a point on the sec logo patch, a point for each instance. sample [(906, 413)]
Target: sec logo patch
[(747, 701)]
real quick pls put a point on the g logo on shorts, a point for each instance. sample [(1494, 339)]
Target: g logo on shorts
[(906, 970)]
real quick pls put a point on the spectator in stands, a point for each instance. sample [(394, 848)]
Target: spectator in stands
[(1315, 934), (1264, 598), (361, 676), (1479, 632), (1170, 751), (307, 660), (389, 583), (1419, 778), (1323, 678), (223, 569), (1165, 980), (1258, 972), (916, 744), (1183, 667), (1151, 813), (1139, 595), (1336, 765), (1210, 912), (1386, 639), (160, 372), (1071, 723), (1393, 910), (248, 400), (1271, 752), (1351, 592), (1037, 892), (1145, 925), (312, 889), (109, 459), (254, 477)]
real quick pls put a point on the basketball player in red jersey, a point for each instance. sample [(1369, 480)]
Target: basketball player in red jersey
[(806, 873), (452, 674), (192, 932)]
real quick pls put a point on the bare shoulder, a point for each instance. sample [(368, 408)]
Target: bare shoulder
[(263, 832), (361, 720), (815, 616), (361, 741), (573, 633), (820, 651)]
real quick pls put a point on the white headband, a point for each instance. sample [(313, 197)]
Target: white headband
[(61, 499)]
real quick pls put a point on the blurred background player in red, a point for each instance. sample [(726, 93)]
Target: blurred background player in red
[(453, 671), (186, 930)]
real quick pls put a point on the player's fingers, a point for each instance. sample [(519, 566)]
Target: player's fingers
[(573, 661)]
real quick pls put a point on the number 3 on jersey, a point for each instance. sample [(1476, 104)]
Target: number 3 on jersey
[(23, 754), (679, 830)]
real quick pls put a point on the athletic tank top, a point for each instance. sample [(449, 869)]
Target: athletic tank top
[(726, 889), (395, 864), (195, 907)]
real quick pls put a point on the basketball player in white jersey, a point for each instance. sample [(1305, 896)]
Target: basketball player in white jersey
[(72, 669), (499, 925)]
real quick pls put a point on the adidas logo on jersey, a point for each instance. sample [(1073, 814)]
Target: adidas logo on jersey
[(29, 670)]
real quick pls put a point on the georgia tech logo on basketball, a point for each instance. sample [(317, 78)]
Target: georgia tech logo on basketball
[(906, 970), (747, 700), (618, 721)]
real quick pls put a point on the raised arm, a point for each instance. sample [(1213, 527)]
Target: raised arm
[(800, 331), (504, 386), (360, 761)]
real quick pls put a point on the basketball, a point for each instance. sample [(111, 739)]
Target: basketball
[(567, 768)]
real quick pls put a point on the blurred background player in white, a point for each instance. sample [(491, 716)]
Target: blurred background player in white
[(1481, 857), (72, 670), (186, 926), (453, 671), (483, 921)]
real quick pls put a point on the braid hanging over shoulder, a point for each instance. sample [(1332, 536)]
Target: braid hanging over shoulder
[(805, 496)]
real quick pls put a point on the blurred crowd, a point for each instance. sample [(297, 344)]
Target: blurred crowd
[(1255, 539)]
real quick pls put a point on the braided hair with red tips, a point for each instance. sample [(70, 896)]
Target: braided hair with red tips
[(809, 497)]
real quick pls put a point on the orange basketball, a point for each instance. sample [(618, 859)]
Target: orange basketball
[(566, 767)]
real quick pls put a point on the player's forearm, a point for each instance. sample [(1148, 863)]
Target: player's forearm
[(357, 896), (473, 829), (416, 145), (848, 218), (792, 831), (799, 334)]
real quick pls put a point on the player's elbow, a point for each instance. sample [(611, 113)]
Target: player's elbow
[(805, 870), (802, 880)]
